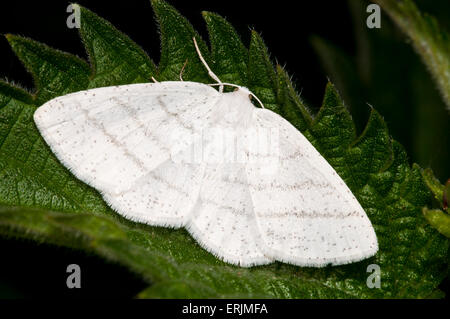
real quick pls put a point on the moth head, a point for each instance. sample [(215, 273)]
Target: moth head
[(241, 91), (244, 91)]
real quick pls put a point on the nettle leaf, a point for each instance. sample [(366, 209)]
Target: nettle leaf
[(41, 200), (262, 79), (30, 175), (177, 46), (228, 54), (114, 57), (54, 72)]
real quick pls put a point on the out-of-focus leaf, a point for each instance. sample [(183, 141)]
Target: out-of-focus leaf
[(428, 38)]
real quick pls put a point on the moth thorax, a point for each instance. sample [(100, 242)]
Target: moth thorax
[(236, 107)]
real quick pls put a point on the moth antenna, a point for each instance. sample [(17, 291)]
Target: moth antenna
[(154, 80), (210, 72), (182, 70)]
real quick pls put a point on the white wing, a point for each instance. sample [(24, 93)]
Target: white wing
[(117, 139), (223, 221), (305, 213)]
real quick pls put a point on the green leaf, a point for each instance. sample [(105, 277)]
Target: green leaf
[(54, 72), (439, 220), (262, 79), (340, 67), (228, 54), (290, 105), (428, 38), (114, 57), (43, 201), (177, 46), (30, 174), (433, 184)]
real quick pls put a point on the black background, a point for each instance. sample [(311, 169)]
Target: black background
[(32, 270), (280, 25)]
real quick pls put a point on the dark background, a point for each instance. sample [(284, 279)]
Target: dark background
[(380, 68)]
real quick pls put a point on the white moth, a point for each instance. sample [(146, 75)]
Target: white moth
[(287, 204)]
